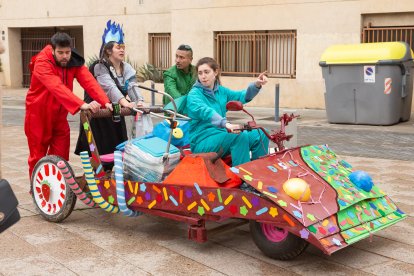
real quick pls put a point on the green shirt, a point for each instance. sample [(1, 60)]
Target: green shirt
[(177, 83)]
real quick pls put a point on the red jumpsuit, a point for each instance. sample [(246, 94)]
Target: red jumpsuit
[(49, 100)]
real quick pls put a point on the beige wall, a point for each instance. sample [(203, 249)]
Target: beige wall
[(319, 24), (313, 32)]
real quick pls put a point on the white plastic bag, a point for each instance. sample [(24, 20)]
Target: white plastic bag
[(143, 125)]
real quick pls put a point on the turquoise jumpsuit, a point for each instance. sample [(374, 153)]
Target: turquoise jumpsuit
[(207, 109)]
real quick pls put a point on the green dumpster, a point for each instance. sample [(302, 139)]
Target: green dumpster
[(369, 83)]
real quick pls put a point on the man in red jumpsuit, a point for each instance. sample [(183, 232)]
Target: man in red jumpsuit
[(50, 98)]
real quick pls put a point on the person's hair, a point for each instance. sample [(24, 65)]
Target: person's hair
[(106, 51), (61, 40), (212, 63), (184, 47)]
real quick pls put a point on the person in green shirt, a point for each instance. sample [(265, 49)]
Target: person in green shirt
[(179, 79)]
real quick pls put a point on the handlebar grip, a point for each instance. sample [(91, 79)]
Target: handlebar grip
[(105, 113), (153, 109)]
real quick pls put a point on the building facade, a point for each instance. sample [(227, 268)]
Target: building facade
[(284, 37)]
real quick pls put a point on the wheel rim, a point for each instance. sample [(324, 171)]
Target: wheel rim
[(273, 233), (49, 188)]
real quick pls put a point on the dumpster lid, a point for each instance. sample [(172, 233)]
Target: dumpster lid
[(367, 53)]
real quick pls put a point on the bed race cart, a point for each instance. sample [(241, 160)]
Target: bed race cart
[(290, 198)]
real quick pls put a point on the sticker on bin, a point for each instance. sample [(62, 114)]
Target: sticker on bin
[(387, 86), (369, 74)]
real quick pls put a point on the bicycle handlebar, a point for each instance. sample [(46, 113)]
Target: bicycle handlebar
[(106, 113), (278, 137)]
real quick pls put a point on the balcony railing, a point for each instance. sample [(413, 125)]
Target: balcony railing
[(388, 34)]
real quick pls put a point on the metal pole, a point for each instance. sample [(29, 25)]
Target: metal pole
[(152, 94), (277, 102)]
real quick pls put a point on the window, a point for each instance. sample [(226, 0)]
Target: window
[(250, 53), (160, 50), (388, 34)]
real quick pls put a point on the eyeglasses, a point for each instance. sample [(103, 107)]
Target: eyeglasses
[(121, 46), (185, 47)]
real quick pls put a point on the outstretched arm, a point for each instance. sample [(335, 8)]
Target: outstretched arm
[(88, 82), (134, 93), (255, 87)]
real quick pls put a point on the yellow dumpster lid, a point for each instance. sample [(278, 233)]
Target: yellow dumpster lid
[(366, 53)]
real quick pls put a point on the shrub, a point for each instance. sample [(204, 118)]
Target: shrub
[(149, 72), (91, 60)]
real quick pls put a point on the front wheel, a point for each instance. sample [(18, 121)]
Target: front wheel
[(54, 199), (275, 242)]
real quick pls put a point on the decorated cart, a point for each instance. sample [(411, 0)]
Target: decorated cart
[(291, 198)]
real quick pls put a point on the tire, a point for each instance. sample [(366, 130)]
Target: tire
[(276, 243), (53, 198)]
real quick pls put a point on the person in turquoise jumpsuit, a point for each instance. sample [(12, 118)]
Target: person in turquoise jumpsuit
[(209, 129)]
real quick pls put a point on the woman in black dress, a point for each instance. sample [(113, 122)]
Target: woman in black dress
[(117, 79)]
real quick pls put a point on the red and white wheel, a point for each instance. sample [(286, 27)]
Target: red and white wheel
[(53, 198), (276, 242)]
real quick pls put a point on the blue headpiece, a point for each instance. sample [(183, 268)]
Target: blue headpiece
[(113, 32)]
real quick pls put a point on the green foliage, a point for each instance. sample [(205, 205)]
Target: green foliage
[(133, 63), (149, 72), (91, 60), (1, 68)]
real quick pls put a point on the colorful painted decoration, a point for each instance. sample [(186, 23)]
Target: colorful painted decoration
[(335, 213), (74, 185), (297, 188), (46, 190), (336, 172), (120, 188), (93, 187), (362, 180)]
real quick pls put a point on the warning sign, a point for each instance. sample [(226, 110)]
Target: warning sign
[(387, 86), (369, 74)]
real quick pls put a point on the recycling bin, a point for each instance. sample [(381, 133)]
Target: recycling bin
[(368, 83)]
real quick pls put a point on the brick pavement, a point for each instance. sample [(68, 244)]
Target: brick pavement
[(91, 241)]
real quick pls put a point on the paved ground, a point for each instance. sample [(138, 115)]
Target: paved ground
[(91, 241)]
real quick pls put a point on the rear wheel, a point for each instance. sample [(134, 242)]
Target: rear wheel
[(53, 198), (275, 242)]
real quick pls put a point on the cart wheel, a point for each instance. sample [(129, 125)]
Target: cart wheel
[(275, 242), (53, 198)]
